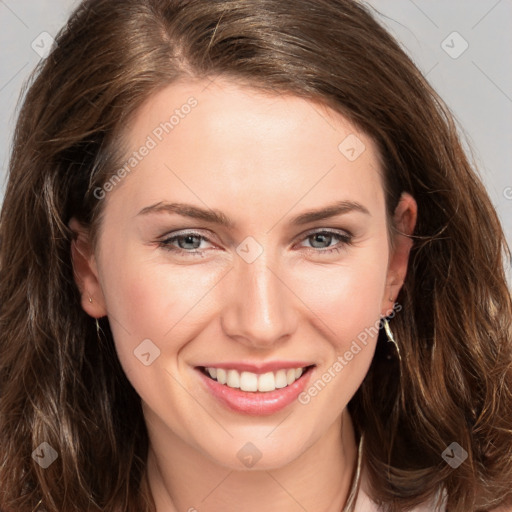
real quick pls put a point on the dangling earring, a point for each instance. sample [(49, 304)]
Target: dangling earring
[(97, 323), (391, 338)]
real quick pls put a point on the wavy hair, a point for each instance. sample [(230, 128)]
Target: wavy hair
[(61, 385)]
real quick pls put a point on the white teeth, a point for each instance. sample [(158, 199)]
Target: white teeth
[(248, 381), (266, 382), (280, 379), (221, 375), (233, 379)]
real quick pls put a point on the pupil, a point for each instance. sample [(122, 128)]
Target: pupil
[(321, 237), (187, 240)]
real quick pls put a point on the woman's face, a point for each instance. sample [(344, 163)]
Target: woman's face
[(249, 235)]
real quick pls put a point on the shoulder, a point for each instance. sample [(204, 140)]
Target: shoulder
[(365, 504)]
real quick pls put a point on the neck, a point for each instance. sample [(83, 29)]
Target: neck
[(318, 479)]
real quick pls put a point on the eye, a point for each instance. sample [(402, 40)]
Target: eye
[(321, 241), (184, 243)]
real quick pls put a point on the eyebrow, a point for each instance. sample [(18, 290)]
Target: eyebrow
[(218, 217)]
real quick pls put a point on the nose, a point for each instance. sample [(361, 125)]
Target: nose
[(258, 310)]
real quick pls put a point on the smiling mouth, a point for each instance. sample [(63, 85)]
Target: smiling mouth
[(254, 382)]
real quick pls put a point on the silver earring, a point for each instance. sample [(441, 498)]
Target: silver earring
[(391, 338), (97, 323)]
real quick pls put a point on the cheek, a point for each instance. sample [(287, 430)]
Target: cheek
[(135, 300), (151, 300), (142, 310), (139, 308), (345, 297), (147, 296), (346, 300)]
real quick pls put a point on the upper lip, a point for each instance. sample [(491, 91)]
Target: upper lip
[(258, 368)]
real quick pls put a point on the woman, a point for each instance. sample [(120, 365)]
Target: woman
[(246, 265)]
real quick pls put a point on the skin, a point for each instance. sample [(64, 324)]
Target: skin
[(261, 159)]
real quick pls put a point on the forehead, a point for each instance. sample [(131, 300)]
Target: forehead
[(226, 141)]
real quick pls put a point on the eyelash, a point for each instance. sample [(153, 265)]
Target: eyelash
[(345, 239)]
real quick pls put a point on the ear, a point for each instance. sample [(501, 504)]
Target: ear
[(404, 220), (85, 271)]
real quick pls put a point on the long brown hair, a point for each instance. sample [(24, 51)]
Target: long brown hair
[(62, 385)]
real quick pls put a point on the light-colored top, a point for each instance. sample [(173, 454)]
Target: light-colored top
[(359, 500), (365, 504)]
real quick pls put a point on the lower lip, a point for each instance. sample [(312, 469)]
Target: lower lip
[(256, 403)]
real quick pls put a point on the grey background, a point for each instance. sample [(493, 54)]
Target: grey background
[(476, 84)]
